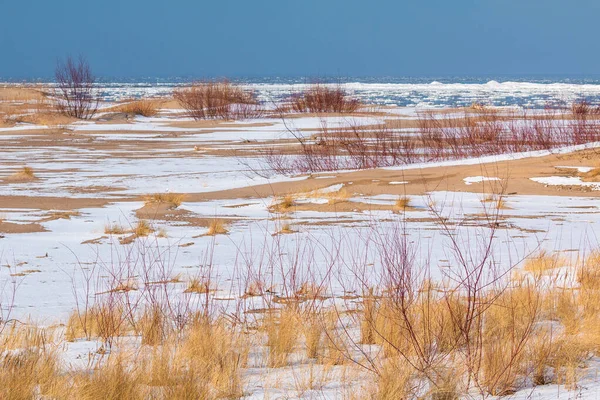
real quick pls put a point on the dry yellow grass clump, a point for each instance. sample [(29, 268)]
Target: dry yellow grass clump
[(282, 331), (198, 286), (114, 229), (143, 107), (217, 227), (402, 204), (125, 286), (283, 204), (588, 275), (152, 326), (204, 362), (143, 228), (104, 320), (173, 200), (337, 197), (286, 229), (162, 233), (255, 288), (498, 202), (591, 176), (542, 263), (25, 174)]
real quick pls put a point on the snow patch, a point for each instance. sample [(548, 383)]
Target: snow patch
[(469, 180)]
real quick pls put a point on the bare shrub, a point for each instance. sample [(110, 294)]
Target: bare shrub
[(349, 147), (75, 88), (581, 108), (218, 100), (320, 98)]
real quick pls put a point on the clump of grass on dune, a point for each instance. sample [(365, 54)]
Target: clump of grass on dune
[(142, 229), (118, 378), (103, 320), (497, 201), (283, 204), (125, 286), (286, 229), (282, 335), (395, 380), (162, 233), (591, 176), (198, 286), (152, 326), (588, 275), (216, 352), (27, 374), (114, 229), (542, 262), (173, 200), (338, 197), (402, 204), (478, 106), (256, 288), (217, 227), (24, 174), (27, 172), (143, 107)]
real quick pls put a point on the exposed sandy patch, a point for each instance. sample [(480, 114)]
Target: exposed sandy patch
[(161, 211), (53, 216), (217, 124), (94, 189), (52, 203), (166, 213), (514, 174), (9, 227)]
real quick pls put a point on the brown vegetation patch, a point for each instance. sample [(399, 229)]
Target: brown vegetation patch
[(172, 200), (9, 227), (218, 100), (143, 107), (324, 99), (25, 174)]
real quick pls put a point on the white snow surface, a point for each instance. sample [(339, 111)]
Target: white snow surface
[(469, 180)]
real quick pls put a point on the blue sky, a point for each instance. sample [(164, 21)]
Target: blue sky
[(138, 38)]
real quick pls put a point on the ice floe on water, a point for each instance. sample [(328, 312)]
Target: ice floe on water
[(399, 91)]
